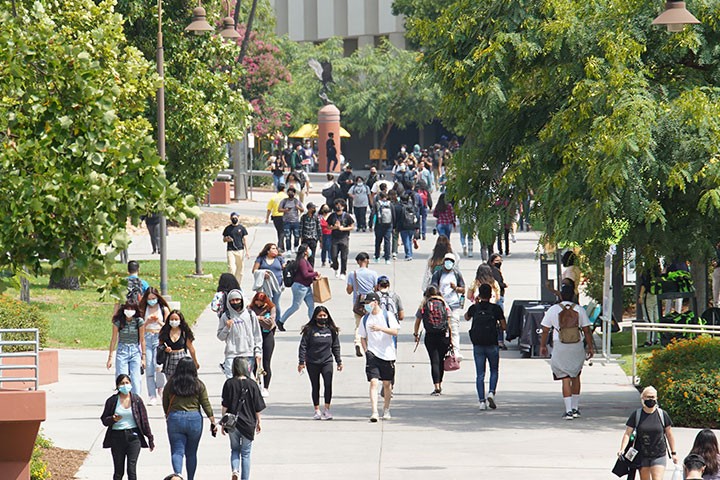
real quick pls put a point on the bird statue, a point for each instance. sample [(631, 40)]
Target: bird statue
[(323, 71)]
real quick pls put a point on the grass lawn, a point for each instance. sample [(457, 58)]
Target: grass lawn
[(78, 319)]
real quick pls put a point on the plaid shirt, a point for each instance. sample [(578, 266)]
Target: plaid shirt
[(310, 227), (447, 217)]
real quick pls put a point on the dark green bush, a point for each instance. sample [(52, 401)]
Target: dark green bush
[(17, 314), (687, 379)]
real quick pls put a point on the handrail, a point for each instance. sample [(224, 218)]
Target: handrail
[(664, 327), (34, 353)]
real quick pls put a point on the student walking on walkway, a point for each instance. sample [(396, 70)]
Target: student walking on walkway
[(128, 332), (434, 315)]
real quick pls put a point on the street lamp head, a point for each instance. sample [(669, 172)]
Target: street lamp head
[(228, 31), (199, 22), (675, 17)]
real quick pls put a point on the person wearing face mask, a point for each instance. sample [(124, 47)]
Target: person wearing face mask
[(341, 224), (653, 434), (128, 428), (235, 236), (378, 331), (310, 231), (451, 285), (495, 263), (154, 310), (318, 346), (361, 200), (291, 208), (128, 333), (266, 314), (359, 283), (301, 287), (178, 339), (240, 329)]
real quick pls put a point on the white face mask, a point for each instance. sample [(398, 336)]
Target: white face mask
[(174, 323), (129, 313)]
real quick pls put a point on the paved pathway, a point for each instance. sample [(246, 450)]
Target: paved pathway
[(428, 437)]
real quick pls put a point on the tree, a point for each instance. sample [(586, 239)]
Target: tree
[(77, 157), (613, 123)]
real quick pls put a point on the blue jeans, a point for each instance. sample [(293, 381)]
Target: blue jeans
[(444, 229), (240, 448), (407, 240), (276, 300), (326, 246), (290, 229), (227, 365), (491, 354), (466, 238), (184, 432), (128, 360), (299, 292), (277, 181), (423, 219), (155, 379)]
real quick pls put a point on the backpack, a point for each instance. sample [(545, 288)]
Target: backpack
[(409, 215), (387, 303), (288, 272), (484, 329), (385, 213), (387, 322), (424, 197), (569, 321), (435, 316), (134, 289)]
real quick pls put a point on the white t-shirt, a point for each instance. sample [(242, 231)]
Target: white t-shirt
[(379, 343), (448, 293), (551, 319)]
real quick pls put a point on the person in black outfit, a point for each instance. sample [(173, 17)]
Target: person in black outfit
[(346, 180), (234, 236), (318, 346), (152, 222), (437, 344), (310, 230), (341, 223), (495, 262), (331, 151)]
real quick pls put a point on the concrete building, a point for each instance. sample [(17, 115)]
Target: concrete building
[(358, 22)]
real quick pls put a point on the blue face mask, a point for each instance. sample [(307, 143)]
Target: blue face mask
[(368, 308), (125, 388), (152, 302), (449, 264)]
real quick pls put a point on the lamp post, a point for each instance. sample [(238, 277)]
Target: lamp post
[(675, 17)]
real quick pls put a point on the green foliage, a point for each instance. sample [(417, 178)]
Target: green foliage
[(38, 467), (17, 314), (686, 377), (611, 122), (77, 159)]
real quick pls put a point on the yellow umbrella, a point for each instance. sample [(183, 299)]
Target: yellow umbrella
[(310, 130)]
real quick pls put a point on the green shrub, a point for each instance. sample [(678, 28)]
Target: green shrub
[(17, 314), (38, 467), (687, 379)]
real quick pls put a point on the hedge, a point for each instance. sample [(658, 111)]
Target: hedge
[(687, 379), (17, 314)]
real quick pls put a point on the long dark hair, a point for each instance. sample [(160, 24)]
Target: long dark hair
[(706, 445), (302, 249), (313, 321), (442, 247), (119, 316), (263, 253), (161, 301), (442, 205), (123, 376), (184, 327), (185, 381), (227, 282)]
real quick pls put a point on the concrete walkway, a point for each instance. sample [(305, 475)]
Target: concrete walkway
[(428, 437)]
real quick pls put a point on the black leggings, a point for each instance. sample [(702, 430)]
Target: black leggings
[(125, 444), (314, 371), (279, 229), (437, 345), (268, 348)]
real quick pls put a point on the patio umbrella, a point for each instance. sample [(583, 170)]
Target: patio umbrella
[(310, 130)]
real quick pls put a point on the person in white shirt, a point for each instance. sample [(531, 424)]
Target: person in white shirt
[(449, 281), (567, 358), (377, 331)]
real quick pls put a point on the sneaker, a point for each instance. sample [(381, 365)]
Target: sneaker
[(374, 417), (376, 260), (394, 255), (317, 415), (435, 393), (408, 259), (482, 406), (576, 413), (235, 476), (265, 393), (342, 276), (153, 401), (280, 326), (465, 252), (337, 274), (491, 401), (568, 416), (386, 415), (512, 237), (470, 254), (423, 237), (358, 351), (324, 264), (502, 345), (326, 415)]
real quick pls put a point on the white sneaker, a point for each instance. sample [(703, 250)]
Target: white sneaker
[(386, 415), (317, 415), (491, 400), (342, 276), (482, 406), (153, 401), (337, 273), (326, 415), (374, 417), (265, 392), (387, 262), (512, 237)]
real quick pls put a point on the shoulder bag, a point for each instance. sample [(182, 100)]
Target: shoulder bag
[(229, 420), (359, 305)]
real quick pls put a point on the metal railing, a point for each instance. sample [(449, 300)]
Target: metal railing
[(34, 354), (664, 327)]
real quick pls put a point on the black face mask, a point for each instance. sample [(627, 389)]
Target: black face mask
[(237, 306), (497, 265), (234, 221), (321, 322), (650, 403)]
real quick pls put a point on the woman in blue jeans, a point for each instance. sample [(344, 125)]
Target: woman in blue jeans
[(155, 311), (183, 397), (302, 286), (129, 334), (242, 398)]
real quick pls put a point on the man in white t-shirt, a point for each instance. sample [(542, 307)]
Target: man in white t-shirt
[(378, 330), (567, 358), (449, 281), (360, 282)]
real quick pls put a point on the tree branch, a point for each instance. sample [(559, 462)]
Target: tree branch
[(248, 29)]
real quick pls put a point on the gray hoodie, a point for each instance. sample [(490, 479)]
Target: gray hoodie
[(244, 338)]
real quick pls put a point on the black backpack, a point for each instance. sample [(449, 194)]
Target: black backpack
[(484, 329), (434, 315), (409, 215), (134, 289), (289, 271)]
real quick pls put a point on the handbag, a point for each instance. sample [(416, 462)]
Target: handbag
[(359, 306), (451, 363), (160, 355), (229, 420)]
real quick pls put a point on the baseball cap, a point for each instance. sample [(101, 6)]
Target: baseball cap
[(372, 297), (234, 214), (449, 256)]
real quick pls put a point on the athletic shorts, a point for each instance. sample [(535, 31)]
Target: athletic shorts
[(653, 462), (378, 368)]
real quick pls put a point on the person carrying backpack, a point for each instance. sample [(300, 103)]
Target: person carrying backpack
[(451, 285), (384, 212), (434, 313), (488, 320), (567, 319), (389, 301), (408, 223)]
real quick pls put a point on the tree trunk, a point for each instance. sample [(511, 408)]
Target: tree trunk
[(24, 290), (699, 271), (236, 13), (65, 283), (248, 29), (388, 129)]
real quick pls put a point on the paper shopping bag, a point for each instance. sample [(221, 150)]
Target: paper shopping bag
[(321, 290)]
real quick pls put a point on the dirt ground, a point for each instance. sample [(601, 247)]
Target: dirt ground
[(210, 222), (63, 464)]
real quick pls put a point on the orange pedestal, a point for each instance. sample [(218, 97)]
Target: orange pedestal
[(328, 121), (20, 415), (220, 193), (48, 370)]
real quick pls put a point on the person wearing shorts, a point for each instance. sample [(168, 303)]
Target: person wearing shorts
[(378, 330)]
